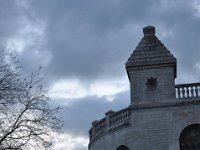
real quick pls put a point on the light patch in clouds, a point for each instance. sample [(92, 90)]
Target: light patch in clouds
[(197, 67), (167, 34), (72, 89), (108, 88), (26, 37), (196, 5), (69, 142), (15, 45), (31, 34), (67, 89)]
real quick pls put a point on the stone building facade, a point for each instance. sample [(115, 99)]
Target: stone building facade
[(161, 115)]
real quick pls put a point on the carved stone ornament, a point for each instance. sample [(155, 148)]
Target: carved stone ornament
[(152, 82)]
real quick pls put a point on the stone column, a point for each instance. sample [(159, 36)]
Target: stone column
[(93, 128), (108, 114)]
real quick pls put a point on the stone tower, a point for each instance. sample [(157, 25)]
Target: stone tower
[(151, 68), (161, 115)]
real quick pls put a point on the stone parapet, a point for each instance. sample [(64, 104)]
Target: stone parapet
[(185, 91), (186, 94), (112, 122)]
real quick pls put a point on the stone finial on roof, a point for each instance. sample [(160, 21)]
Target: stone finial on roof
[(149, 31)]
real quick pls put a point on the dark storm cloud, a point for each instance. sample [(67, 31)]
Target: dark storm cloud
[(10, 22), (93, 39), (88, 39), (91, 36)]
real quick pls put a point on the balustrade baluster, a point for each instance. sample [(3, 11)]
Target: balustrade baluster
[(183, 92), (192, 92), (178, 93), (196, 91), (117, 118), (188, 91), (114, 119)]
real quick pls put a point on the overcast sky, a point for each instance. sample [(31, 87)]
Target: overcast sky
[(83, 46)]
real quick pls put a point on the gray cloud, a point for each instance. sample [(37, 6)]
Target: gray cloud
[(10, 19), (93, 39)]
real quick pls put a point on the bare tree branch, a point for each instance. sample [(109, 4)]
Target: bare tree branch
[(26, 118)]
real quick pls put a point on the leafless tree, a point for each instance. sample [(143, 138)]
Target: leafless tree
[(26, 118)]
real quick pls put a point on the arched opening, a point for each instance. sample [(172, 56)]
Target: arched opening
[(122, 147), (190, 138)]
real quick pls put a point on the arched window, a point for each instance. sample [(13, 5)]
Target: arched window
[(122, 147), (190, 138)]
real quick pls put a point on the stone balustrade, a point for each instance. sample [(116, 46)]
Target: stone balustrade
[(185, 91), (99, 125), (120, 117), (112, 122)]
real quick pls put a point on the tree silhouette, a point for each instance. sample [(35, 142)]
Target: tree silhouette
[(26, 118)]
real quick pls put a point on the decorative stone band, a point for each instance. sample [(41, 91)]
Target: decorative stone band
[(185, 91), (142, 67), (176, 103)]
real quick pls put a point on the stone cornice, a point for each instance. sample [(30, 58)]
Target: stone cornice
[(180, 103), (151, 66)]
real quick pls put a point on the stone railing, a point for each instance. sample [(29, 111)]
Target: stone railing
[(119, 117), (112, 122), (186, 91)]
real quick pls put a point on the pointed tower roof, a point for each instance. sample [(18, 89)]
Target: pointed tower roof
[(150, 53)]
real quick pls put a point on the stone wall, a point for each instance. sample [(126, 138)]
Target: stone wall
[(152, 128), (164, 89)]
